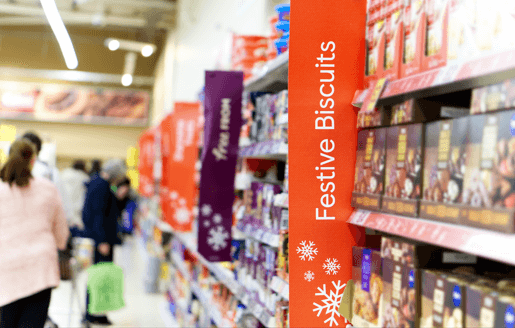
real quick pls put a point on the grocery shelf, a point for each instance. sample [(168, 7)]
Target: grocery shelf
[(281, 200), (180, 303), (270, 149), (167, 316), (259, 234), (484, 243), (272, 77), (470, 74), (281, 287)]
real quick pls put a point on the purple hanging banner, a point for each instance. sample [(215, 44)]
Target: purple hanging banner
[(222, 111)]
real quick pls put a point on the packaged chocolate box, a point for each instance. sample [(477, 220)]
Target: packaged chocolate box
[(443, 299), (494, 97), (415, 111), (368, 291), (372, 119), (403, 177), (370, 168), (444, 169), (489, 187)]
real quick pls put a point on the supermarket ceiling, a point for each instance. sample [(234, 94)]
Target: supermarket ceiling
[(26, 40)]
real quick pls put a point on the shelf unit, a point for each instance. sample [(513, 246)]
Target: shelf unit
[(270, 149), (273, 77), (259, 234)]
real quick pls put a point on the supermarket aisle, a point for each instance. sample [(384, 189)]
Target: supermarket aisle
[(141, 310)]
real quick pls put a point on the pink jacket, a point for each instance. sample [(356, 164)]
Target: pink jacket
[(32, 227)]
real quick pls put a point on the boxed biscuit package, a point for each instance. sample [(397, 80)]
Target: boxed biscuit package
[(368, 292), (437, 22), (403, 175), (489, 186), (369, 176), (375, 39), (495, 23), (415, 111), (414, 37), (394, 33), (444, 169), (372, 119), (481, 304), (443, 299), (494, 97), (461, 35)]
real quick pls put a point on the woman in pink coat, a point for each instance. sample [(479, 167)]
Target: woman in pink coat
[(32, 227)]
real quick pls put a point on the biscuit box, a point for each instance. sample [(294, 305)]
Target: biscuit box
[(368, 291), (369, 175), (489, 188), (414, 37), (415, 111), (481, 303), (443, 299), (375, 118), (394, 33), (403, 187), (444, 169), (461, 35), (375, 43), (437, 22), (402, 261)]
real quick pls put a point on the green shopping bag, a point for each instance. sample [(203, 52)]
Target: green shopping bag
[(105, 287)]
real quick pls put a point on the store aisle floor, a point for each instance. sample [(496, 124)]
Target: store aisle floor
[(141, 309)]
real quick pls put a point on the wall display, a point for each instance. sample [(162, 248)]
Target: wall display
[(75, 104), (179, 166), (222, 111), (403, 177), (444, 169), (322, 150)]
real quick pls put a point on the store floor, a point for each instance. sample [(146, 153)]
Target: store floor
[(141, 310)]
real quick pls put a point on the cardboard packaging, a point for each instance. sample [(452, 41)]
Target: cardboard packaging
[(269, 192), (375, 43), (414, 37), (370, 161), (282, 257), (368, 290), (494, 97), (444, 169), (415, 111), (403, 177), (437, 21), (495, 23), (372, 119), (489, 190), (461, 36), (394, 37), (444, 299), (257, 202)]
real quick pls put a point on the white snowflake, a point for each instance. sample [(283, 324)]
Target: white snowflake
[(174, 195), (309, 276), (217, 218), (332, 267), (182, 215), (307, 251), (206, 223), (331, 302), (182, 202), (217, 238), (206, 210)]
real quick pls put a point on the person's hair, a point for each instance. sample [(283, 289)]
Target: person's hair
[(96, 166), (115, 169), (35, 139), (124, 182), (79, 165), (17, 169)]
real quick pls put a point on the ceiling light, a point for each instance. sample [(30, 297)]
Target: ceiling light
[(62, 36), (147, 51), (126, 80), (114, 45)]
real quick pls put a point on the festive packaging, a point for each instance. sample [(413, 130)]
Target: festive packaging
[(370, 162), (414, 37), (437, 21), (444, 169), (403, 175)]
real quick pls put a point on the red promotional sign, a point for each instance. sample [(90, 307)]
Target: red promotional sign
[(326, 66), (179, 145), (146, 163)]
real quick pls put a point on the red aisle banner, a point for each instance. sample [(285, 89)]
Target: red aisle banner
[(179, 141), (146, 163), (326, 67)]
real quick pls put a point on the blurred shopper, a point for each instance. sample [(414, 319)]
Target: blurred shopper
[(33, 226), (100, 215), (96, 167), (74, 181), (127, 202)]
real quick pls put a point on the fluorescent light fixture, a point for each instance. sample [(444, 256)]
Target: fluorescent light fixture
[(147, 51), (114, 45), (63, 38), (126, 80)]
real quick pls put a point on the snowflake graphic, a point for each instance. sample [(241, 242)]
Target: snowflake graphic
[(332, 267), (174, 195), (206, 210), (309, 276), (307, 251), (331, 302), (217, 218), (182, 202), (206, 223), (182, 215), (217, 238)]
